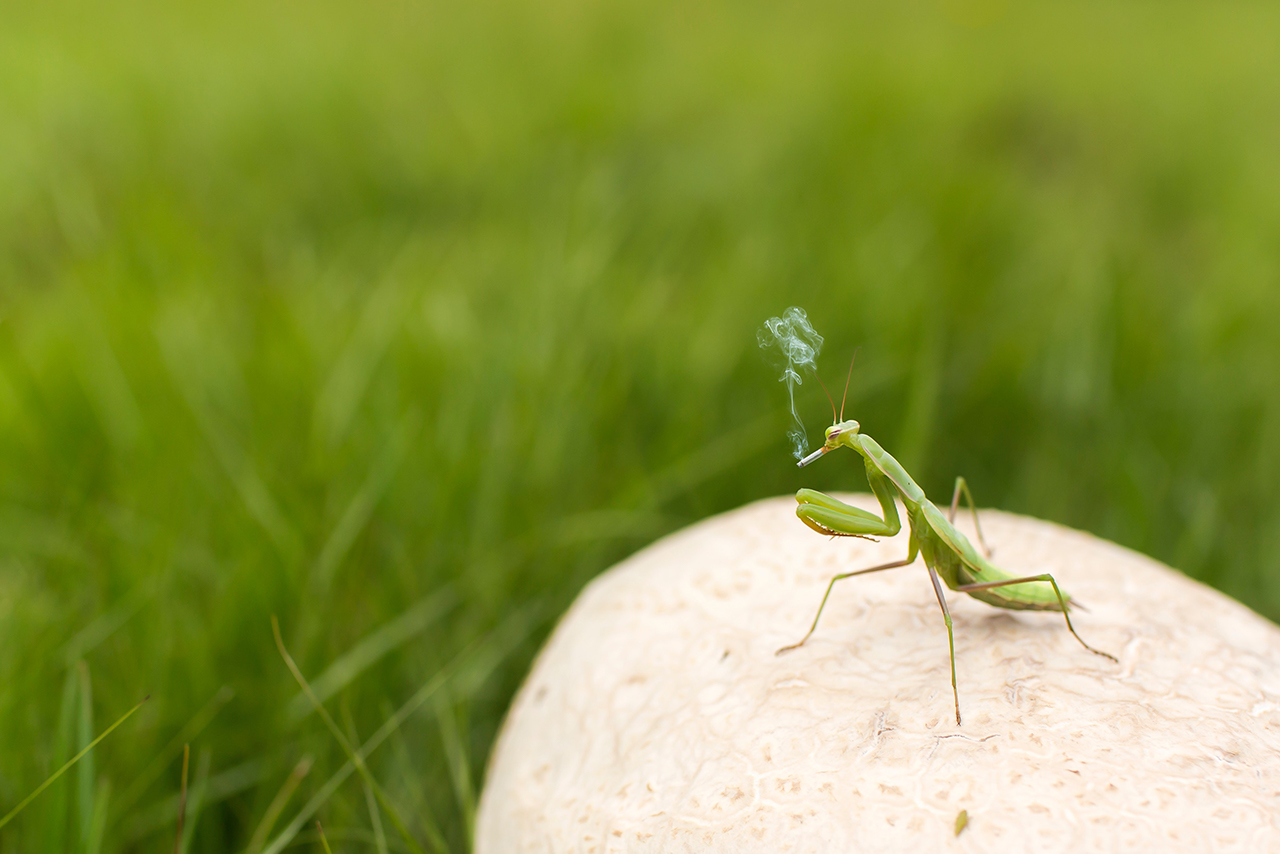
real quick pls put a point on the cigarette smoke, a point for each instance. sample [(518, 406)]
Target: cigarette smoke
[(800, 344)]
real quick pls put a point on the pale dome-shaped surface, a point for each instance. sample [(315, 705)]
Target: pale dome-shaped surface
[(658, 718)]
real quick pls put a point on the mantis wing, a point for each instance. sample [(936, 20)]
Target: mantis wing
[(1031, 596)]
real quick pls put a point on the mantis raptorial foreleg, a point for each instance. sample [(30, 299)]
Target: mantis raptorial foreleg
[(989, 585), (833, 517), (897, 563), (962, 486)]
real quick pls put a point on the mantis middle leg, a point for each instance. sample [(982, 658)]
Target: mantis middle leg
[(988, 585), (951, 638), (897, 563), (962, 486)]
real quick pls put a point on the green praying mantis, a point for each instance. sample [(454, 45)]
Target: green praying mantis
[(948, 554)]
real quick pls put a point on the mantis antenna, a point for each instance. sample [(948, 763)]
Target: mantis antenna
[(828, 394), (847, 377)]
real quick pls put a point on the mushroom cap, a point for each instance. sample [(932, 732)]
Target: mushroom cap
[(659, 719)]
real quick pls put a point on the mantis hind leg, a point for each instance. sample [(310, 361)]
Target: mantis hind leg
[(963, 486), (897, 563), (988, 585)]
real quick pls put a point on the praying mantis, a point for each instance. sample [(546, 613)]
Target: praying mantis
[(948, 554)]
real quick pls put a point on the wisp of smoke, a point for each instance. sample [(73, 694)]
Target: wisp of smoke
[(794, 335)]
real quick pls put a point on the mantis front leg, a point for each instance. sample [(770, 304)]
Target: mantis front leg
[(833, 517)]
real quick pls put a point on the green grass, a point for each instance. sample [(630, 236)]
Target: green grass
[(402, 322)]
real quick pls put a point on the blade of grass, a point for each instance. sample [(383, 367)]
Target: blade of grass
[(72, 761), (182, 798), (196, 802), (221, 786), (373, 647), (360, 508), (716, 456), (336, 404), (106, 624), (375, 819), (490, 650), (323, 841), (56, 821), (179, 336), (456, 755), (184, 736), (365, 774), (85, 775), (517, 627), (277, 805), (409, 775), (359, 835), (98, 825), (379, 836), (593, 525)]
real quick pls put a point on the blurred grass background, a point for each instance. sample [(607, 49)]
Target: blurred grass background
[(403, 320)]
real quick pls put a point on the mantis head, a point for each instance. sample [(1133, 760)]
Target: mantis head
[(838, 434)]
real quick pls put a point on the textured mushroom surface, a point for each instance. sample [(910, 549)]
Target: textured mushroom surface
[(659, 719)]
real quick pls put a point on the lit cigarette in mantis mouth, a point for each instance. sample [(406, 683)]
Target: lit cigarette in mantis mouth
[(812, 457)]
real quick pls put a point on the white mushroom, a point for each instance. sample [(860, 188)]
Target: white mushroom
[(659, 719)]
